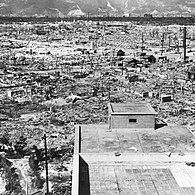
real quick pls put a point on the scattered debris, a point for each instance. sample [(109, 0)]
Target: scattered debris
[(117, 154), (191, 164)]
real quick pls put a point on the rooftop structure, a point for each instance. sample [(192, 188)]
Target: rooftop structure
[(131, 116), (133, 161)]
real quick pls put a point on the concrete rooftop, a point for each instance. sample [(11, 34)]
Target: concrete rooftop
[(147, 162), (128, 178), (99, 139), (131, 108)]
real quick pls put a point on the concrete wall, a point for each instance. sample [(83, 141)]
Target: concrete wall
[(84, 183), (122, 121), (76, 161)]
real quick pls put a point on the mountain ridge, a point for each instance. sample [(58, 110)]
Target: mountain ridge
[(61, 8)]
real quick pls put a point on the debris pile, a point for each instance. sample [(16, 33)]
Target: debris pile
[(56, 75)]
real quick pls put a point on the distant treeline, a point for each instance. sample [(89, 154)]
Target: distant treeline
[(138, 20)]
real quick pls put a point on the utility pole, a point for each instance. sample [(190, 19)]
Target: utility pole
[(46, 166), (113, 58), (184, 43), (169, 42), (162, 43), (109, 90), (177, 45), (142, 48)]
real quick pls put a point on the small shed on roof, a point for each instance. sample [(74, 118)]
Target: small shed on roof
[(131, 116)]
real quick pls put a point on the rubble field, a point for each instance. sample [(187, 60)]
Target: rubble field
[(54, 76)]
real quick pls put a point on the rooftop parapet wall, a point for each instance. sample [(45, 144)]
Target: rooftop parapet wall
[(131, 108)]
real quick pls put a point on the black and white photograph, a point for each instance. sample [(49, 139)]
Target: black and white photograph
[(97, 97)]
